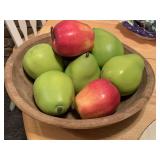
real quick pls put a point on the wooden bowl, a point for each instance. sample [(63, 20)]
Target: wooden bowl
[(19, 88)]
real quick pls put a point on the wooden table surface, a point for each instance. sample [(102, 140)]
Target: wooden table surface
[(133, 128)]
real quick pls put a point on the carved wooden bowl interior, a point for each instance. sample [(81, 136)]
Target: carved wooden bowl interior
[(19, 88)]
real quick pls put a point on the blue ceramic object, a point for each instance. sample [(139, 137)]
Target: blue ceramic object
[(144, 28)]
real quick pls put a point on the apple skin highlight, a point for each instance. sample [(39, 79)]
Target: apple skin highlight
[(72, 38), (99, 98)]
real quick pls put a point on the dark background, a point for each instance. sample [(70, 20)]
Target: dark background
[(13, 123)]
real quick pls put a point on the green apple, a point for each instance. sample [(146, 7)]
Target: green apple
[(53, 92), (39, 59), (83, 70), (106, 46), (125, 72)]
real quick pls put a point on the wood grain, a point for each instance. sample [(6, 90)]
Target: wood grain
[(114, 132), (130, 129), (19, 87), (147, 49)]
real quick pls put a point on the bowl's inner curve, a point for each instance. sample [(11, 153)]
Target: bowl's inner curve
[(24, 85)]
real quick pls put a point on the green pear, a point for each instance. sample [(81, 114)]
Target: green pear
[(83, 70), (39, 59), (125, 72), (53, 92), (106, 46)]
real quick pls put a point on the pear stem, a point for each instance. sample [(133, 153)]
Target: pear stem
[(52, 35), (87, 54)]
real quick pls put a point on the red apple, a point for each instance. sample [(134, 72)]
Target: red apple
[(72, 38), (99, 98)]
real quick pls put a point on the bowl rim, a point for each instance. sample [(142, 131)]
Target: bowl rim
[(73, 123)]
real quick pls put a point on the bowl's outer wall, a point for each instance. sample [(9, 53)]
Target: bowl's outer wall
[(19, 88)]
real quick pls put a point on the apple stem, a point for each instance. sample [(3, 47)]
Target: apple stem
[(52, 35), (87, 54)]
